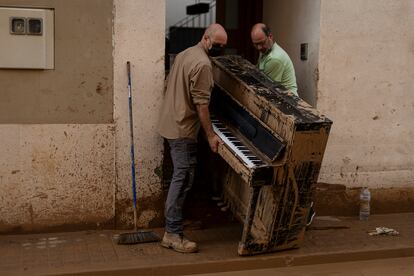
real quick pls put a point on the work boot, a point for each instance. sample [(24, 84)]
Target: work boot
[(178, 243)]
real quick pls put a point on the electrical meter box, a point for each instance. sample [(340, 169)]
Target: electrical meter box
[(26, 38)]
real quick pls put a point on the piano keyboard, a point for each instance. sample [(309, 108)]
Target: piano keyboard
[(241, 151)]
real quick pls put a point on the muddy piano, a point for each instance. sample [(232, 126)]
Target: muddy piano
[(273, 147)]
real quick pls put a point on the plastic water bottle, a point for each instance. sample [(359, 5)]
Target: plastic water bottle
[(364, 204)]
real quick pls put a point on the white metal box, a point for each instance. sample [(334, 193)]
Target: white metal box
[(26, 38)]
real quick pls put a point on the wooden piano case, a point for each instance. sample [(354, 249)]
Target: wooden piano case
[(274, 210)]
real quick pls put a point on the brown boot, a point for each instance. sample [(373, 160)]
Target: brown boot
[(178, 243)]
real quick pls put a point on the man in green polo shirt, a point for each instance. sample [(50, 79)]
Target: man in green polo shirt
[(276, 64), (273, 60)]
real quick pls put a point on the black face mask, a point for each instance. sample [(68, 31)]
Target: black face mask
[(216, 50)]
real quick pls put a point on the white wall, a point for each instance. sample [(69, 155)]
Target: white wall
[(139, 37), (364, 53), (366, 87), (292, 23)]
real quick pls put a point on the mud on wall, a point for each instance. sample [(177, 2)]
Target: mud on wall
[(366, 80), (360, 74), (362, 56), (139, 34), (77, 175), (56, 177), (56, 172), (79, 90)]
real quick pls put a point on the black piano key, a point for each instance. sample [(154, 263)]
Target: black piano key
[(254, 158)]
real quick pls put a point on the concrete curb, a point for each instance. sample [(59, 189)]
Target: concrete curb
[(250, 263)]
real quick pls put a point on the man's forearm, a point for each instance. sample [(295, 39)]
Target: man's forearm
[(204, 115)]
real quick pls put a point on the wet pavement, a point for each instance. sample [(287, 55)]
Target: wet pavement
[(391, 266), (329, 240)]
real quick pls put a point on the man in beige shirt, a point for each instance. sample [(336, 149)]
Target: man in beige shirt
[(184, 109)]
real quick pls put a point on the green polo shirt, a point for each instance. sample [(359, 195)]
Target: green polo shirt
[(278, 66)]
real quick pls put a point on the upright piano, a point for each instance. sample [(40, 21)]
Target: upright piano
[(273, 144)]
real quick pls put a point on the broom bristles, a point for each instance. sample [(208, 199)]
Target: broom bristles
[(138, 237)]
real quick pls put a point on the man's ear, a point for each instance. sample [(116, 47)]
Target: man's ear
[(206, 38)]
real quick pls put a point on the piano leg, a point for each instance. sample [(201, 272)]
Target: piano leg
[(274, 220), (247, 240)]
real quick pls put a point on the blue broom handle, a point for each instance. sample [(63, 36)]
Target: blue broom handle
[(134, 184)]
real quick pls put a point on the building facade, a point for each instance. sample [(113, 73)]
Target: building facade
[(64, 151)]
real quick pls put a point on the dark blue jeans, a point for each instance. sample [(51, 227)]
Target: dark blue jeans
[(184, 158)]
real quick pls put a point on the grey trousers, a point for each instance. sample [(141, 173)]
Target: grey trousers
[(184, 158)]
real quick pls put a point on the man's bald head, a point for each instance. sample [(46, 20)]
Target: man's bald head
[(215, 34), (262, 38)]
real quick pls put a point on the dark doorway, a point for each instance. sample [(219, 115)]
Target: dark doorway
[(238, 17)]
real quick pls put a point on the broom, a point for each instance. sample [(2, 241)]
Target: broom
[(136, 236)]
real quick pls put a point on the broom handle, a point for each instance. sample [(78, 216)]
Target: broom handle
[(134, 184)]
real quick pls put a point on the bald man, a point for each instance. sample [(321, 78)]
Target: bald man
[(276, 64), (273, 60), (184, 109)]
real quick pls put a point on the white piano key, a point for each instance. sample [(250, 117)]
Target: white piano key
[(235, 145)]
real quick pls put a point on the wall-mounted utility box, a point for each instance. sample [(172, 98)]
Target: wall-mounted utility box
[(26, 38)]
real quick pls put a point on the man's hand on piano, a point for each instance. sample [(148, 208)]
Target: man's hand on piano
[(214, 141)]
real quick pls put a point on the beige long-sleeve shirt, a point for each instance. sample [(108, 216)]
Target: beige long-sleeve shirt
[(189, 83)]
